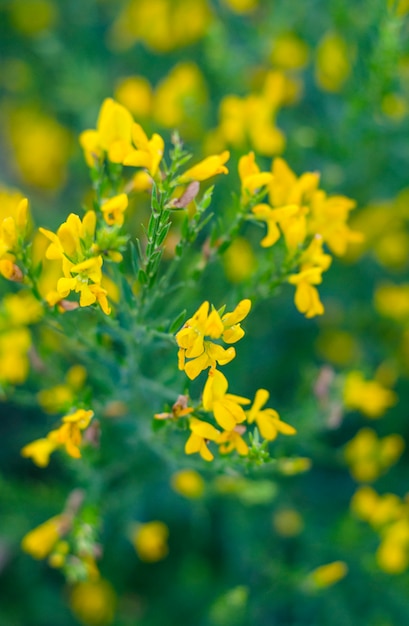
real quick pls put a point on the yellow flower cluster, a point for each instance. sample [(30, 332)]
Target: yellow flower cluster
[(14, 222), (199, 351), (252, 119), (369, 456), (17, 312), (68, 435), (304, 216), (389, 517)]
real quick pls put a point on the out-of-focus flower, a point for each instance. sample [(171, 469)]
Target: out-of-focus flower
[(367, 396), (93, 602), (40, 146), (289, 52), (393, 301), (135, 94), (369, 456), (188, 483), (242, 6), (150, 541), (162, 25), (327, 575), (40, 541), (34, 18), (333, 62), (239, 260), (288, 523)]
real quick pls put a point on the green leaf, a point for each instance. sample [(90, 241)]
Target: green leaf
[(177, 322)]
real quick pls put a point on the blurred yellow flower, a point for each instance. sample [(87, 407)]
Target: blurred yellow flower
[(289, 52), (328, 575), (135, 94), (210, 166), (93, 602), (333, 62), (40, 541), (369, 456), (367, 396), (150, 541), (188, 483)]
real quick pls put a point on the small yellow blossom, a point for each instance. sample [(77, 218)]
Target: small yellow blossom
[(201, 352), (148, 153), (188, 483), (150, 541), (367, 396), (114, 208), (226, 407), (40, 541), (378, 511), (306, 297), (112, 135), (39, 451), (333, 62), (201, 433), (252, 179), (288, 523), (328, 575), (273, 217), (267, 420), (233, 440), (210, 166), (93, 602)]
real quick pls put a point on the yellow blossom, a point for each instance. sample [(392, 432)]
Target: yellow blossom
[(369, 456), (252, 179), (226, 407), (112, 135), (306, 297), (188, 483), (135, 94), (114, 208), (148, 153), (93, 602), (233, 440), (40, 541), (150, 541), (210, 166), (367, 396), (267, 420), (333, 62), (328, 575), (201, 433), (201, 352), (39, 451), (273, 217)]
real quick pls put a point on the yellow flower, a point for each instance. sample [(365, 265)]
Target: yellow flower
[(210, 166), (188, 483), (39, 451), (378, 511), (306, 297), (333, 62), (328, 575), (233, 440), (201, 433), (40, 541), (150, 541), (226, 407), (114, 208), (69, 434), (368, 456), (204, 353), (112, 135), (267, 420), (367, 396), (93, 602), (272, 217), (135, 94), (251, 178), (148, 153)]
